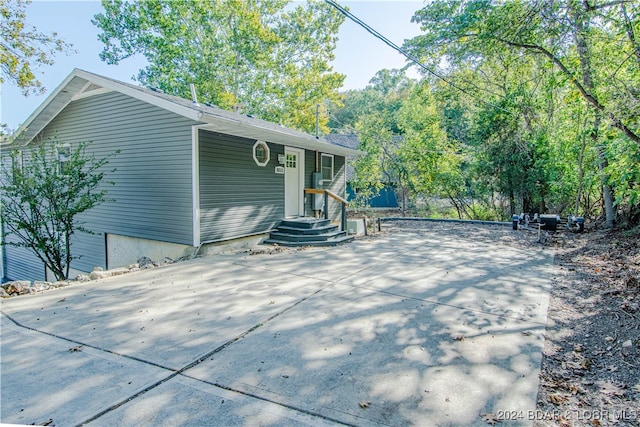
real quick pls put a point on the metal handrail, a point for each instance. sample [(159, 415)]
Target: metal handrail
[(327, 194)]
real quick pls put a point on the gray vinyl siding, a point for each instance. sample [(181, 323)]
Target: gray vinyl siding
[(151, 195), (22, 264), (237, 197), (337, 186)]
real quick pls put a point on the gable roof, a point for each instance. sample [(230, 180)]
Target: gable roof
[(80, 84)]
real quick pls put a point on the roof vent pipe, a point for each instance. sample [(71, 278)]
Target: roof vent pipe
[(194, 98), (317, 121)]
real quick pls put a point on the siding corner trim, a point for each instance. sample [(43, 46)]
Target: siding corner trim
[(195, 182)]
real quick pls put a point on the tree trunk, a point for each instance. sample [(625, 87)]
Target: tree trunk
[(607, 191), (512, 202), (581, 26), (580, 174)]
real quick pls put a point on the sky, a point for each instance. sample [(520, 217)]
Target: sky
[(359, 55)]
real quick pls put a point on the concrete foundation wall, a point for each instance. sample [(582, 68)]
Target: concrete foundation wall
[(232, 245), (123, 250)]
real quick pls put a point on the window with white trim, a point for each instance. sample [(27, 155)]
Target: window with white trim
[(17, 161), (64, 155), (326, 167), (261, 153)]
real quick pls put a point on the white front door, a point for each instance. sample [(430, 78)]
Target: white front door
[(293, 182)]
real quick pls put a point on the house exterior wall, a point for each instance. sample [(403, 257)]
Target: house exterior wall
[(22, 264), (237, 197), (151, 202), (338, 186), (151, 197)]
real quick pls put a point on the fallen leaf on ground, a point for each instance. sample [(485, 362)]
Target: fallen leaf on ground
[(612, 389), (563, 422), (490, 418), (557, 398), (574, 389), (583, 364)]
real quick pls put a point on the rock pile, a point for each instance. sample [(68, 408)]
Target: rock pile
[(26, 287)]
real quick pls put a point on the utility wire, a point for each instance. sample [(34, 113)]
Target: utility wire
[(406, 54)]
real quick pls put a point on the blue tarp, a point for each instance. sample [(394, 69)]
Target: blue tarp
[(386, 198)]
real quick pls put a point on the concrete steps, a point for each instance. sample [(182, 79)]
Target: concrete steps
[(307, 232)]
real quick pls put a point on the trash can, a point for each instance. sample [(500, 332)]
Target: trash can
[(515, 219), (580, 222), (549, 222)]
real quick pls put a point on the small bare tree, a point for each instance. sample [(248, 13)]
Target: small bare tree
[(42, 192)]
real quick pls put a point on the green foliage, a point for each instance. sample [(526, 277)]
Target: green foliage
[(430, 161), (539, 110), (43, 197), (624, 172), (537, 90), (23, 48), (400, 129), (263, 58)]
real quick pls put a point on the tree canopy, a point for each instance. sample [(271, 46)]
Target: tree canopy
[(269, 58), (535, 108), (23, 48)]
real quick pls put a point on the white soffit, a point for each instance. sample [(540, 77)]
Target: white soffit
[(245, 130)]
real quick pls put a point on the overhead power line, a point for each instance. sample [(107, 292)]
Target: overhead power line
[(403, 52), (379, 36)]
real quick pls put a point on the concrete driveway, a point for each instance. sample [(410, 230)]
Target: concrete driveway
[(406, 328)]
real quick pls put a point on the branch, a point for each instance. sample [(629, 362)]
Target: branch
[(589, 97), (591, 8)]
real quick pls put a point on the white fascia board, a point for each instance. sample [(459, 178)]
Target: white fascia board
[(238, 128), (107, 85), (25, 125)]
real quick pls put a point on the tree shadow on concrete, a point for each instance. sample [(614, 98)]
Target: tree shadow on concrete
[(411, 328)]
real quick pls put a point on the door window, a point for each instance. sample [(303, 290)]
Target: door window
[(291, 161)]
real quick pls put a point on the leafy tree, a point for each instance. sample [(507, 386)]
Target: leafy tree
[(262, 58), (23, 48), (470, 30), (400, 129), (43, 197), (373, 116), (593, 51), (429, 163)]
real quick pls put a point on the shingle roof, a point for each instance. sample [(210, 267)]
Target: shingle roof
[(345, 140), (81, 83)]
